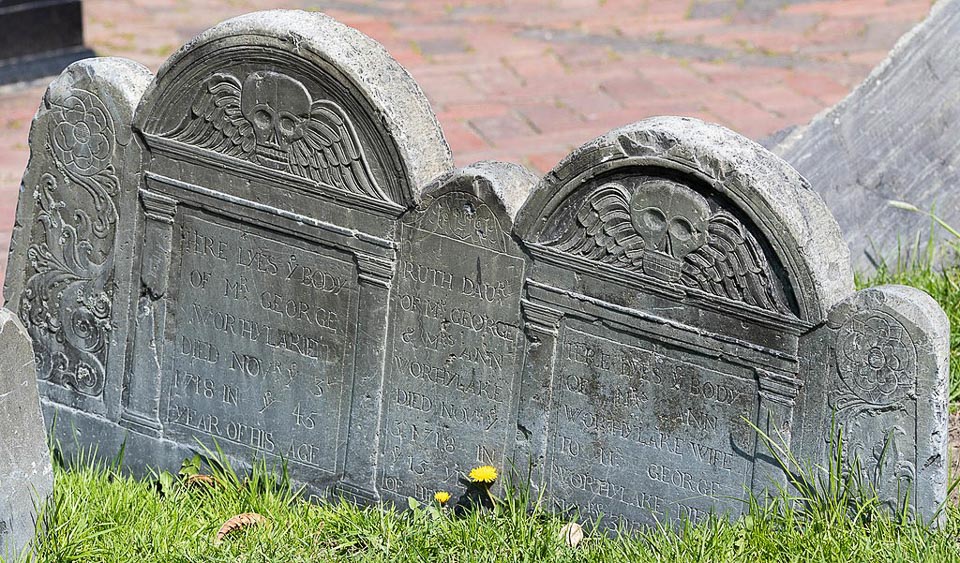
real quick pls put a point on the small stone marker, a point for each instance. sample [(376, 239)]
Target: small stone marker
[(457, 337), (26, 476), (893, 138), (266, 248)]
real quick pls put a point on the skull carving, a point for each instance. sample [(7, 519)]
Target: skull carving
[(278, 107), (672, 220)]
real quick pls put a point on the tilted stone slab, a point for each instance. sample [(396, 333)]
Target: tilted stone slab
[(26, 476), (893, 138), (687, 289)]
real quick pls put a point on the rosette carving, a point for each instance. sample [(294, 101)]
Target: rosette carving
[(876, 357), (82, 140)]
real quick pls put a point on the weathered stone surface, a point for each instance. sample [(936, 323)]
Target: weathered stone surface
[(26, 476), (283, 148), (893, 138), (892, 350), (69, 267), (215, 265), (678, 299), (456, 338), (273, 255)]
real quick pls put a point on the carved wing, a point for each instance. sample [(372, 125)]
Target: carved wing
[(731, 264), (604, 231), (215, 121), (330, 152)]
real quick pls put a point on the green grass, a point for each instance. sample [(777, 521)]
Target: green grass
[(102, 515)]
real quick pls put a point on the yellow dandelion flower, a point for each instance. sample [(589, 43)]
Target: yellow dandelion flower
[(483, 474), (441, 496)]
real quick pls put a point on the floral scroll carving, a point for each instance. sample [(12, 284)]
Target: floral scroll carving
[(67, 301), (877, 363)]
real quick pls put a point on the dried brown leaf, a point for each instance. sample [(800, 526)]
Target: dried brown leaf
[(239, 521), (200, 479), (572, 534), (319, 530)]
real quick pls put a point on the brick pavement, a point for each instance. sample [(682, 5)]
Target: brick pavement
[(529, 80)]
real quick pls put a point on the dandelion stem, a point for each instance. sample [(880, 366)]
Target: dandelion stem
[(493, 499)]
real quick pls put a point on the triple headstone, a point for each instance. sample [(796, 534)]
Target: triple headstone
[(266, 247)]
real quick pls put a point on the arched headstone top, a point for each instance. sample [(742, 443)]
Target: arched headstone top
[(504, 185), (301, 94), (689, 203), (117, 83)]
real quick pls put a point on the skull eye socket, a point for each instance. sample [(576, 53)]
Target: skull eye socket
[(288, 123), (681, 229), (262, 117), (653, 219)]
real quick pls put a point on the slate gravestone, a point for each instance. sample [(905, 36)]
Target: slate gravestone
[(265, 248), (687, 288), (39, 38), (456, 338), (216, 265), (26, 476), (893, 138)]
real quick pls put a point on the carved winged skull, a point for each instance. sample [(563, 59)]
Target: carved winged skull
[(667, 231), (271, 119)]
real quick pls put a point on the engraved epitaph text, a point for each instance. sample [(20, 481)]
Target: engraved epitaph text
[(261, 343), (455, 347), (647, 432)]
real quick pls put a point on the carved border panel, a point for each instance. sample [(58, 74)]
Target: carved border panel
[(228, 330), (68, 259), (67, 301), (626, 405)]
